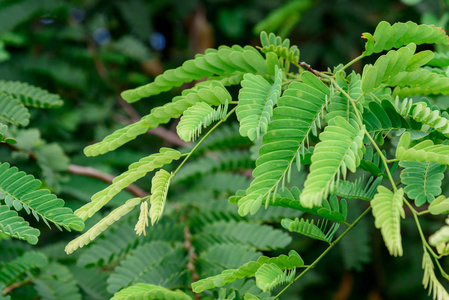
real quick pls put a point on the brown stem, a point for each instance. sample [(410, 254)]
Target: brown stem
[(163, 133), (192, 254), (94, 173), (13, 286), (308, 67), (167, 135)]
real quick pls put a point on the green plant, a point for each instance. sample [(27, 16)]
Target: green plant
[(282, 112), (17, 189)]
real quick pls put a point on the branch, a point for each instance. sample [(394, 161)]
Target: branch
[(167, 135), (94, 173), (15, 285), (161, 132)]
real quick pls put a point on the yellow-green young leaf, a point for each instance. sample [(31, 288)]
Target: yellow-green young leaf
[(142, 223), (118, 138), (135, 171), (102, 225), (211, 92), (225, 61), (424, 151), (159, 190), (430, 280), (147, 291), (440, 206), (256, 101), (440, 239), (341, 148), (387, 212), (386, 36)]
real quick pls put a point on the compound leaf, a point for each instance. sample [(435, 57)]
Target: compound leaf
[(387, 211)]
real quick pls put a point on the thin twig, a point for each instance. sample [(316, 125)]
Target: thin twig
[(94, 173), (163, 133), (167, 135), (192, 254), (309, 67), (15, 285)]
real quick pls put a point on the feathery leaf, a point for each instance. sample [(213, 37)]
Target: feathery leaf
[(224, 61), (341, 148), (256, 101), (387, 212), (102, 225), (386, 36), (159, 190), (135, 171), (149, 292), (422, 180), (296, 115), (430, 280)]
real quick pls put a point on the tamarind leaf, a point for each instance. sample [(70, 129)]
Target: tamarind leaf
[(388, 36), (387, 211)]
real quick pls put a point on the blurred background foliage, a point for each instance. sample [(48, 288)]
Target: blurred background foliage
[(88, 51)]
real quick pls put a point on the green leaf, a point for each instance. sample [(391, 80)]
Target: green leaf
[(423, 151), (12, 111), (15, 226), (422, 180), (30, 95), (252, 235), (440, 206), (24, 191), (56, 282), (358, 189), (159, 190), (149, 291), (135, 171), (419, 82), (102, 225), (430, 280), (268, 276), (224, 61), (297, 113), (396, 68), (118, 138), (340, 105), (386, 36), (341, 148), (199, 116), (308, 228), (256, 101), (283, 262), (138, 266), (12, 271), (422, 113), (387, 211)]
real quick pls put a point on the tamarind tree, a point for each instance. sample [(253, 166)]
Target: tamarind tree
[(326, 128)]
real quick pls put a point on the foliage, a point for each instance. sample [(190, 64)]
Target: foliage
[(243, 110)]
